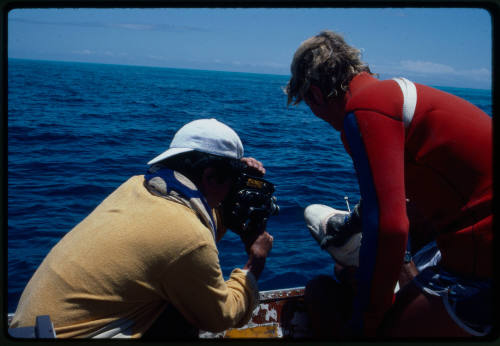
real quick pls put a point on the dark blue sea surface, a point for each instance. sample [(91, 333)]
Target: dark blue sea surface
[(77, 131)]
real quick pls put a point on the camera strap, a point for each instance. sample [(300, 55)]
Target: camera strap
[(172, 185)]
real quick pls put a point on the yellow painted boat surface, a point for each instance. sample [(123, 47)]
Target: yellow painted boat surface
[(280, 314)]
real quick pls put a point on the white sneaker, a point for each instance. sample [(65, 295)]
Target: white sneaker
[(316, 217)]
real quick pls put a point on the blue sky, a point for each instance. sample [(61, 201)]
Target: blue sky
[(441, 46)]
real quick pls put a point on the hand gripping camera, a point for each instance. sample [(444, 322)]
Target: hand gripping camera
[(249, 204)]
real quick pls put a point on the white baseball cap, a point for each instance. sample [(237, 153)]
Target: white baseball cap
[(205, 135)]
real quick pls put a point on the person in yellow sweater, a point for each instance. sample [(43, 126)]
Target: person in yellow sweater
[(144, 263)]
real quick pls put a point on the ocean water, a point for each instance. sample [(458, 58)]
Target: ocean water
[(77, 131)]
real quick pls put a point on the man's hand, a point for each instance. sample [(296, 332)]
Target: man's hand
[(258, 249), (255, 164), (262, 245), (408, 272)]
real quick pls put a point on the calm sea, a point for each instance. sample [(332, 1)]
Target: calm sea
[(77, 131)]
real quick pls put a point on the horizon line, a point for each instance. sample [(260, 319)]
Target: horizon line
[(209, 70), (151, 66)]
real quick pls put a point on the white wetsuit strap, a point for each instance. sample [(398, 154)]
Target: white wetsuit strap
[(410, 99)]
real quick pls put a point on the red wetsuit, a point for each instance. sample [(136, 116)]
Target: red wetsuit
[(441, 161)]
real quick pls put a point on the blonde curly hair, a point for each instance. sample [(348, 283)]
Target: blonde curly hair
[(327, 61)]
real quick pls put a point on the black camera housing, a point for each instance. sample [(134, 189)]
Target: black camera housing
[(249, 204)]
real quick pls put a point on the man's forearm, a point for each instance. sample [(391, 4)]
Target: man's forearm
[(255, 265), (258, 247)]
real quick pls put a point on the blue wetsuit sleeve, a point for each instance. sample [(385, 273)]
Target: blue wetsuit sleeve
[(370, 219)]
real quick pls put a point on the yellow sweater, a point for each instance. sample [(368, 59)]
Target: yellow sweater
[(116, 271)]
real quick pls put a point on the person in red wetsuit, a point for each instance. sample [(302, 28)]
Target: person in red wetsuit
[(411, 145)]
